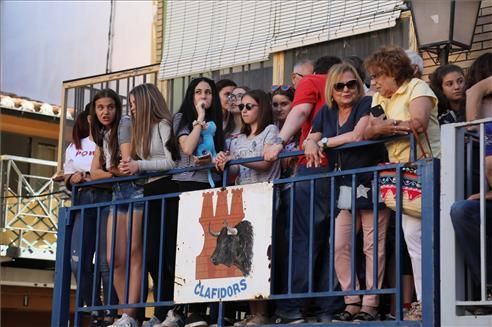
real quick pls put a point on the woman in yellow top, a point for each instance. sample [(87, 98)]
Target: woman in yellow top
[(406, 101)]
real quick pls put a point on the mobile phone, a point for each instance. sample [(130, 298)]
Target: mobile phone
[(202, 157), (378, 111)]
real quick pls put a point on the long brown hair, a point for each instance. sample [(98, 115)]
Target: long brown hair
[(265, 115), (151, 108), (81, 128), (98, 130)]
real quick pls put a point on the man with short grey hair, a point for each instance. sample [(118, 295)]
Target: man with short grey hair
[(301, 69), (417, 63)]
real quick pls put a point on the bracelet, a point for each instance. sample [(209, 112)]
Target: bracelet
[(197, 122), (305, 142)]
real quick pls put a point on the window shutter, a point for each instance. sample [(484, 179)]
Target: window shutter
[(202, 36)]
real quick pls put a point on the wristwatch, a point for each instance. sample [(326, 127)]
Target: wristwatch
[(324, 142)]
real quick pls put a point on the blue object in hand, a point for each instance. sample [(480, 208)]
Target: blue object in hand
[(207, 145)]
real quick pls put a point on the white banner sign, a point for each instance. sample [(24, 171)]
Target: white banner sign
[(223, 244)]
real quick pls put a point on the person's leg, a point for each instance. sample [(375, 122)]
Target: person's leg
[(120, 242), (412, 231), (343, 255), (371, 302), (135, 262), (465, 216), (291, 309), (88, 225), (166, 284), (108, 289)]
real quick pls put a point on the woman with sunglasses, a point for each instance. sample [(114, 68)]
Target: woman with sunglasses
[(258, 129), (343, 120)]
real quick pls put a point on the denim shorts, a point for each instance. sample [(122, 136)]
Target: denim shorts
[(128, 191)]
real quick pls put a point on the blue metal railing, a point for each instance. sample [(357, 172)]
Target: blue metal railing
[(428, 172)]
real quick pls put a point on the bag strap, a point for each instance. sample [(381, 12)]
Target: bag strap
[(419, 142)]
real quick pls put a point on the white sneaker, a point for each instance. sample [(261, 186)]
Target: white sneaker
[(152, 322), (125, 321), (173, 319)]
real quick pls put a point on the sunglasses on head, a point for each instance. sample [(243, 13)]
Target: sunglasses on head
[(235, 97), (351, 85), (281, 87), (248, 106)]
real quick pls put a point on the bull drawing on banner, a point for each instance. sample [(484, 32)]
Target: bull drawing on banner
[(234, 246)]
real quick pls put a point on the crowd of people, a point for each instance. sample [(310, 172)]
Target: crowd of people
[(331, 102)]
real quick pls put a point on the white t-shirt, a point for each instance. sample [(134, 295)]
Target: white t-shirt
[(79, 160)]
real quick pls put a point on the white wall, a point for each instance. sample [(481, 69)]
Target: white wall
[(43, 43)]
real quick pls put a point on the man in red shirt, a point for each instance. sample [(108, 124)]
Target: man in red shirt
[(308, 100)]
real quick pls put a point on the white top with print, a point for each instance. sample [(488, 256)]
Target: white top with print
[(79, 160)]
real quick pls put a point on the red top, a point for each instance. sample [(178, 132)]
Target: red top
[(311, 89)]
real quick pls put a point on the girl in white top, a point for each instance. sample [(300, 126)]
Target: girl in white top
[(77, 165)]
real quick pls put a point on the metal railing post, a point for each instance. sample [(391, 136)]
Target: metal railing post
[(430, 171), (61, 291)]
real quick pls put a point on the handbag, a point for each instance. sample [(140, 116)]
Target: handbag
[(411, 189)]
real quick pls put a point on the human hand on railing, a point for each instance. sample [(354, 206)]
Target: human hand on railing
[(77, 178), (271, 151), (128, 166), (221, 160), (313, 153)]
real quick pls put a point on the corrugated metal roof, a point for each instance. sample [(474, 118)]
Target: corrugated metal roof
[(203, 36)]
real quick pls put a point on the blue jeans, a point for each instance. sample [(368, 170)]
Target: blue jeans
[(89, 225), (300, 247), (465, 215)]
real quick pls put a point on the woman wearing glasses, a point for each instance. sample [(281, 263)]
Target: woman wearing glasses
[(407, 102), (233, 123), (343, 121), (257, 130)]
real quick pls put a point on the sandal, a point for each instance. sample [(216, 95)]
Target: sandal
[(342, 317), (364, 316)]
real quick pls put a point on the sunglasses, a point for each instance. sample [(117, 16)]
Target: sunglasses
[(351, 85), (235, 97), (281, 87), (282, 104), (248, 106)]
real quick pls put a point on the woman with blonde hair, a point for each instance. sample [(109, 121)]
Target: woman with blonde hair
[(153, 149), (343, 120)]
